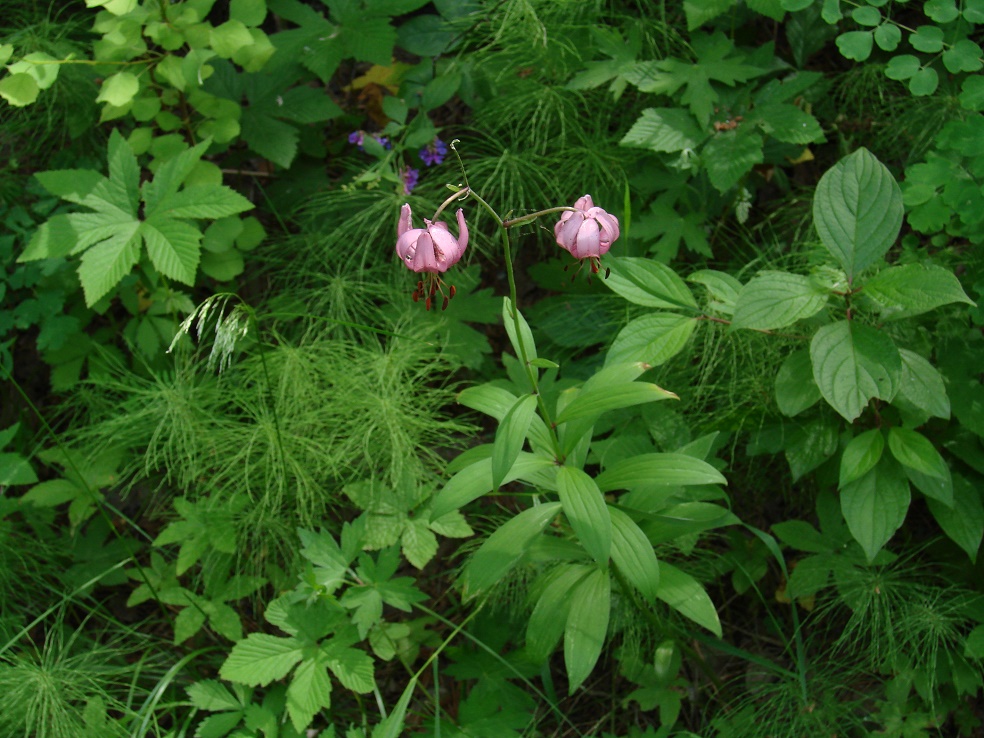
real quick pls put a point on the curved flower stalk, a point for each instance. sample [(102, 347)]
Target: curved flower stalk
[(587, 231), (430, 250)]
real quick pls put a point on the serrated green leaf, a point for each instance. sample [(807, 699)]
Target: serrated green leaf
[(649, 283), (309, 691), (796, 390), (853, 363), (651, 339), (173, 247), (272, 139), (634, 555), (666, 469), (585, 509), (686, 595), (504, 548), (913, 289), (352, 667), (104, 265), (861, 455), (857, 210), (777, 299), (261, 659), (419, 545), (201, 201), (587, 626), (664, 130), (69, 184), (787, 123), (729, 156), (187, 622), (212, 695), (875, 505)]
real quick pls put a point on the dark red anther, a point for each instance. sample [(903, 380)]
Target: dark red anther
[(416, 296), (594, 266), (433, 289), (444, 305), (427, 304), (420, 286), (453, 291), (608, 272)]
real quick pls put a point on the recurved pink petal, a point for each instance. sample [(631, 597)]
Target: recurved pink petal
[(424, 259), (584, 203), (462, 233), (445, 248), (406, 244), (405, 223), (567, 238), (588, 240)]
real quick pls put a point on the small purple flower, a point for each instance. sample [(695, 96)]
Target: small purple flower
[(358, 137), (434, 152), (409, 177)]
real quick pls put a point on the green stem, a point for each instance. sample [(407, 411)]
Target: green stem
[(514, 314), (532, 216)]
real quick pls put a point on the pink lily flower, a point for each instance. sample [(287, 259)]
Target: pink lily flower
[(588, 232), (431, 250)]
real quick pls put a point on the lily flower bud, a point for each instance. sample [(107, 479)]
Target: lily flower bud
[(588, 232)]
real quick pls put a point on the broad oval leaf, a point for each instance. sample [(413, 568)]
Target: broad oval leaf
[(776, 299), (587, 626), (509, 437), (912, 289), (857, 210), (633, 554), (796, 389), (852, 363), (923, 464), (505, 547), (653, 339), (861, 455), (669, 469), (964, 521), (922, 386), (649, 283), (875, 505), (586, 511)]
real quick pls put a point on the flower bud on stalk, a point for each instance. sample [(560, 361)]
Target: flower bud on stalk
[(587, 232)]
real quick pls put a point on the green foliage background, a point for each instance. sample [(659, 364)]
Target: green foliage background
[(731, 485)]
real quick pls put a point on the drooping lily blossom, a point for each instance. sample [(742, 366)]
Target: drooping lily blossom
[(587, 232), (430, 250)]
